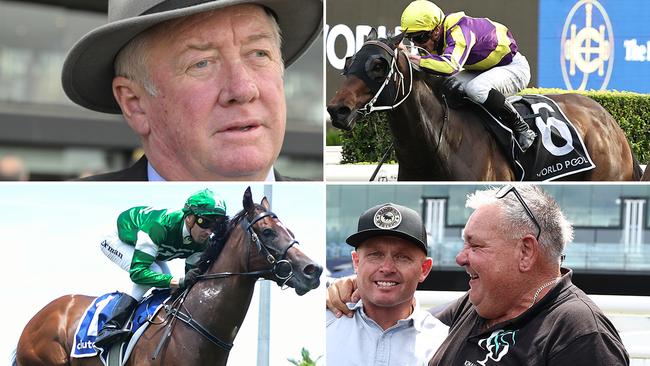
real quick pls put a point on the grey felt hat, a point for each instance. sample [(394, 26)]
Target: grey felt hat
[(391, 220), (88, 69)]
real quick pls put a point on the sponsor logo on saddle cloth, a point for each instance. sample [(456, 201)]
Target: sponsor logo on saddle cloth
[(98, 313), (558, 150)]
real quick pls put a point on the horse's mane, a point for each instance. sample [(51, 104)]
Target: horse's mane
[(432, 80), (218, 240)]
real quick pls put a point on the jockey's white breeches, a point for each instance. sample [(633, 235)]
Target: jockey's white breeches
[(508, 79), (121, 254)]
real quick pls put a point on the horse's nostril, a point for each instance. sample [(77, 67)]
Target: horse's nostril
[(339, 112), (312, 270)]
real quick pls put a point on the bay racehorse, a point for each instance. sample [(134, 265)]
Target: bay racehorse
[(257, 245), (434, 142)]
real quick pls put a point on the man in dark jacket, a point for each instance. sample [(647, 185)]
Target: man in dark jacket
[(200, 83)]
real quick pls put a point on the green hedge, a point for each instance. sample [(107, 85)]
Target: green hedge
[(371, 135), (368, 140)]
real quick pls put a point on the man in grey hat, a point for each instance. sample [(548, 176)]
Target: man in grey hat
[(200, 82), (388, 327)]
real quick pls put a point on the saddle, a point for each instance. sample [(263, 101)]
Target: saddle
[(558, 151), (97, 314)]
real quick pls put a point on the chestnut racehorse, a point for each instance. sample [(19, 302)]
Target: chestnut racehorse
[(257, 245), (434, 142)]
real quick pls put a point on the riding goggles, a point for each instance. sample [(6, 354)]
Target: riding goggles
[(207, 222), (510, 188), (419, 37)]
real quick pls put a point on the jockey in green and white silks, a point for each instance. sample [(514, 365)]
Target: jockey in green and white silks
[(146, 238)]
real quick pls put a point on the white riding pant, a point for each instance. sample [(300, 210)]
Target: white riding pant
[(508, 79), (121, 254)]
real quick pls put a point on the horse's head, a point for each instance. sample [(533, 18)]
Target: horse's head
[(367, 80), (274, 250)]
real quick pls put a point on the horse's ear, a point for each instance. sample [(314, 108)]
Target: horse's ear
[(248, 200), (266, 203), (394, 41), (372, 36)]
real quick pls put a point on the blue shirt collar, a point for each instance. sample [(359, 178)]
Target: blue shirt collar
[(155, 177)]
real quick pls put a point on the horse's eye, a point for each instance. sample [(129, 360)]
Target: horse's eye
[(268, 233), (377, 68)]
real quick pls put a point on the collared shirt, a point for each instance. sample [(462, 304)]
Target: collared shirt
[(155, 177), (360, 341), (563, 328)]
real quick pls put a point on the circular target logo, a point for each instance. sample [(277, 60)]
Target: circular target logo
[(587, 47)]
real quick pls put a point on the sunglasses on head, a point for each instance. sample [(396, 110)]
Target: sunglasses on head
[(206, 222), (419, 37), (510, 188)]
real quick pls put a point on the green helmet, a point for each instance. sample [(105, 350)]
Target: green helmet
[(204, 203)]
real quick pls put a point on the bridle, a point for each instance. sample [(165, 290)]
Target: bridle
[(399, 81), (395, 72), (281, 269)]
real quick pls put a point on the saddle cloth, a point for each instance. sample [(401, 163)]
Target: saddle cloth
[(558, 150), (98, 313)]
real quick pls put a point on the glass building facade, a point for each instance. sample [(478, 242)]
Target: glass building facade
[(610, 221)]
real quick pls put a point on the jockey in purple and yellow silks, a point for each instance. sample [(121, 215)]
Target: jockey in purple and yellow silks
[(481, 54)]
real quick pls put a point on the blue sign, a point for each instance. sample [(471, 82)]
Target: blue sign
[(594, 44)]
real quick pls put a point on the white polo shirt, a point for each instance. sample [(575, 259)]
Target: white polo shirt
[(360, 341)]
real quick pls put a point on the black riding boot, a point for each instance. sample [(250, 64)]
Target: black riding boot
[(113, 328), (506, 112)]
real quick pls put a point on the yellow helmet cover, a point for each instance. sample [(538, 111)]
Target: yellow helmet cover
[(421, 15)]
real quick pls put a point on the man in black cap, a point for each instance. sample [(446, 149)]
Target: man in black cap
[(390, 259)]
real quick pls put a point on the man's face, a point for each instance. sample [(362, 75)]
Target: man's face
[(203, 226), (422, 39), (490, 260), (389, 270), (220, 111)]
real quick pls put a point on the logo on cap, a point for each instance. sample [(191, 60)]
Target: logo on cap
[(387, 217)]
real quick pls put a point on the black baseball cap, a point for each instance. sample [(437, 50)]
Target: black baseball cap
[(392, 220)]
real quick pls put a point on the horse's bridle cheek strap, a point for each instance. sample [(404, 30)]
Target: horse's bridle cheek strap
[(397, 83), (282, 268)]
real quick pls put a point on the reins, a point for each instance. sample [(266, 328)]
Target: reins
[(445, 106), (370, 106), (281, 269)]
